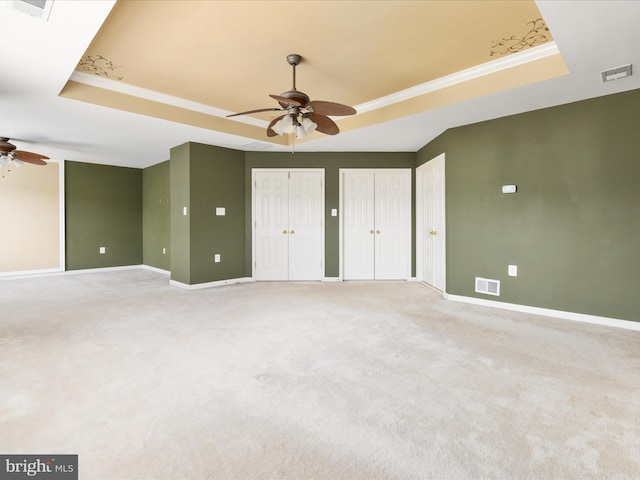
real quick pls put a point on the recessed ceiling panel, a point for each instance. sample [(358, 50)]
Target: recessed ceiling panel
[(231, 54)]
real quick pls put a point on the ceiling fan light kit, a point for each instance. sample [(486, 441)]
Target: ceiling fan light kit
[(304, 116), (10, 157)]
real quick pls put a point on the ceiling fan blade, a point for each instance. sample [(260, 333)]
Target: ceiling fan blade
[(29, 157), (255, 111), (286, 101), (270, 132), (325, 124), (331, 108), (5, 146)]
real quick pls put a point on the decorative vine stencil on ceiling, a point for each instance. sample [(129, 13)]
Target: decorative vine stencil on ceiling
[(537, 34), (99, 65)]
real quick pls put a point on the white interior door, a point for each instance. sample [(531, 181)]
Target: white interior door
[(271, 218), (306, 211), (288, 225), (358, 226), (431, 226), (376, 225), (392, 225)]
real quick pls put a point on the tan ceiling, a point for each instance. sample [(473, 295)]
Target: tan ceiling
[(230, 55)]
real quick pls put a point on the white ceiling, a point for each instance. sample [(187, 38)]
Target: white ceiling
[(39, 57)]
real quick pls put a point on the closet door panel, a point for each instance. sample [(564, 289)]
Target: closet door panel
[(306, 213), (359, 221), (392, 225), (271, 226)]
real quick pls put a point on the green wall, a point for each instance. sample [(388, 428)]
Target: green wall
[(205, 177), (103, 207), (179, 197), (331, 162), (573, 227), (156, 225)]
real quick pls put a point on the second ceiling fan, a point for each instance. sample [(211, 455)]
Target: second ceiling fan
[(10, 154), (303, 114)]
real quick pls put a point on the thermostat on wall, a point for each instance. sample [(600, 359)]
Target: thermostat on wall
[(509, 189)]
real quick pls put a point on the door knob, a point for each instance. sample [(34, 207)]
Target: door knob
[(433, 232), (378, 232), (371, 232), (284, 232), (292, 232)]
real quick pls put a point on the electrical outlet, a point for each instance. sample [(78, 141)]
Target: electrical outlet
[(216, 258), (513, 270), (103, 250)]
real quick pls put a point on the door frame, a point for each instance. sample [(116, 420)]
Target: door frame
[(438, 161), (253, 209), (341, 174)]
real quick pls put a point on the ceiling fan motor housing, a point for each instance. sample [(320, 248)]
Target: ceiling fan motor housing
[(301, 98)]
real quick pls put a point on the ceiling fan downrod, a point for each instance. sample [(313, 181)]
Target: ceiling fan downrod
[(294, 60)]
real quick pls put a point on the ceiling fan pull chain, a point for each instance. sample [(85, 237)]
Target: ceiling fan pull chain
[(293, 145)]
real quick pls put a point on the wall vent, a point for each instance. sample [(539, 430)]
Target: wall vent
[(36, 8), (616, 73), (488, 286), (256, 146)]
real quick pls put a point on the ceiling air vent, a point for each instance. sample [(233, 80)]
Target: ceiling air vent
[(35, 8), (616, 73), (490, 287)]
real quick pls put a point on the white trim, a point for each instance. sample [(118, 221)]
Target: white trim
[(219, 283), (46, 272), (155, 269), (493, 66), (57, 271), (577, 317), (62, 216), (332, 279), (153, 96), (102, 269)]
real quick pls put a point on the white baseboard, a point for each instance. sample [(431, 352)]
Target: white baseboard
[(331, 279), (157, 270), (31, 273), (101, 269), (219, 283), (577, 317), (57, 271)]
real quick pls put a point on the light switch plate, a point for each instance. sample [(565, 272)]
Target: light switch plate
[(103, 250), (220, 211), (334, 212), (184, 210), (513, 270), (216, 258)]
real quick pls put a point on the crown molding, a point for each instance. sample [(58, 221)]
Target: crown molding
[(513, 60), (144, 93)]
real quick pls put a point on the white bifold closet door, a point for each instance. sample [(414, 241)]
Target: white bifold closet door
[(377, 225), (288, 223)]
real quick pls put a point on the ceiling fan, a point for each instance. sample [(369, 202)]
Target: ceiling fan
[(303, 115), (10, 156)]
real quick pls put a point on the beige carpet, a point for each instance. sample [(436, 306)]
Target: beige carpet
[(354, 380)]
